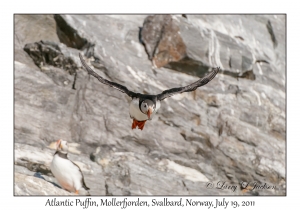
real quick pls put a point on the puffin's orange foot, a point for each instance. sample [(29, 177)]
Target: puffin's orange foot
[(134, 123), (141, 124), (76, 192)]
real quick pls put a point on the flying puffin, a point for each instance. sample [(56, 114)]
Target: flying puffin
[(143, 107), (67, 173)]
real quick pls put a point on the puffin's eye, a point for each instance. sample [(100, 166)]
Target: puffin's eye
[(145, 105)]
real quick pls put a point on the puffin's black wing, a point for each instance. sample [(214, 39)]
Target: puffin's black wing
[(188, 88), (82, 179), (106, 82)]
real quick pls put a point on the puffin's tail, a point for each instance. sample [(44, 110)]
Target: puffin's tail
[(85, 187)]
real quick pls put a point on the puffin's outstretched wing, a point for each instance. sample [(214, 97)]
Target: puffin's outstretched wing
[(188, 88), (106, 82)]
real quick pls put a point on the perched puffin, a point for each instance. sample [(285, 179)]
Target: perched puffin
[(143, 107), (67, 173)]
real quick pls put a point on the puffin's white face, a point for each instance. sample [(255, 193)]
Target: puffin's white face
[(62, 146), (147, 107)]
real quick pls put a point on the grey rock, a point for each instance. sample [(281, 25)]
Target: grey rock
[(30, 185), (231, 130), (152, 31), (161, 36)]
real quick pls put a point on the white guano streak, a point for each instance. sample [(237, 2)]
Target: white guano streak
[(257, 96), (134, 74)]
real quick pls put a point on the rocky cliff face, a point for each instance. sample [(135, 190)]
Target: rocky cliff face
[(231, 130)]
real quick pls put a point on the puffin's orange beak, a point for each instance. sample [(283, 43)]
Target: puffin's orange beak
[(58, 144), (149, 112)]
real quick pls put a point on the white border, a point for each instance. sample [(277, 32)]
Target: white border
[(8, 201)]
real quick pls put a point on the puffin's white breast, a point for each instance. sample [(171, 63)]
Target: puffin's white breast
[(66, 173)]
